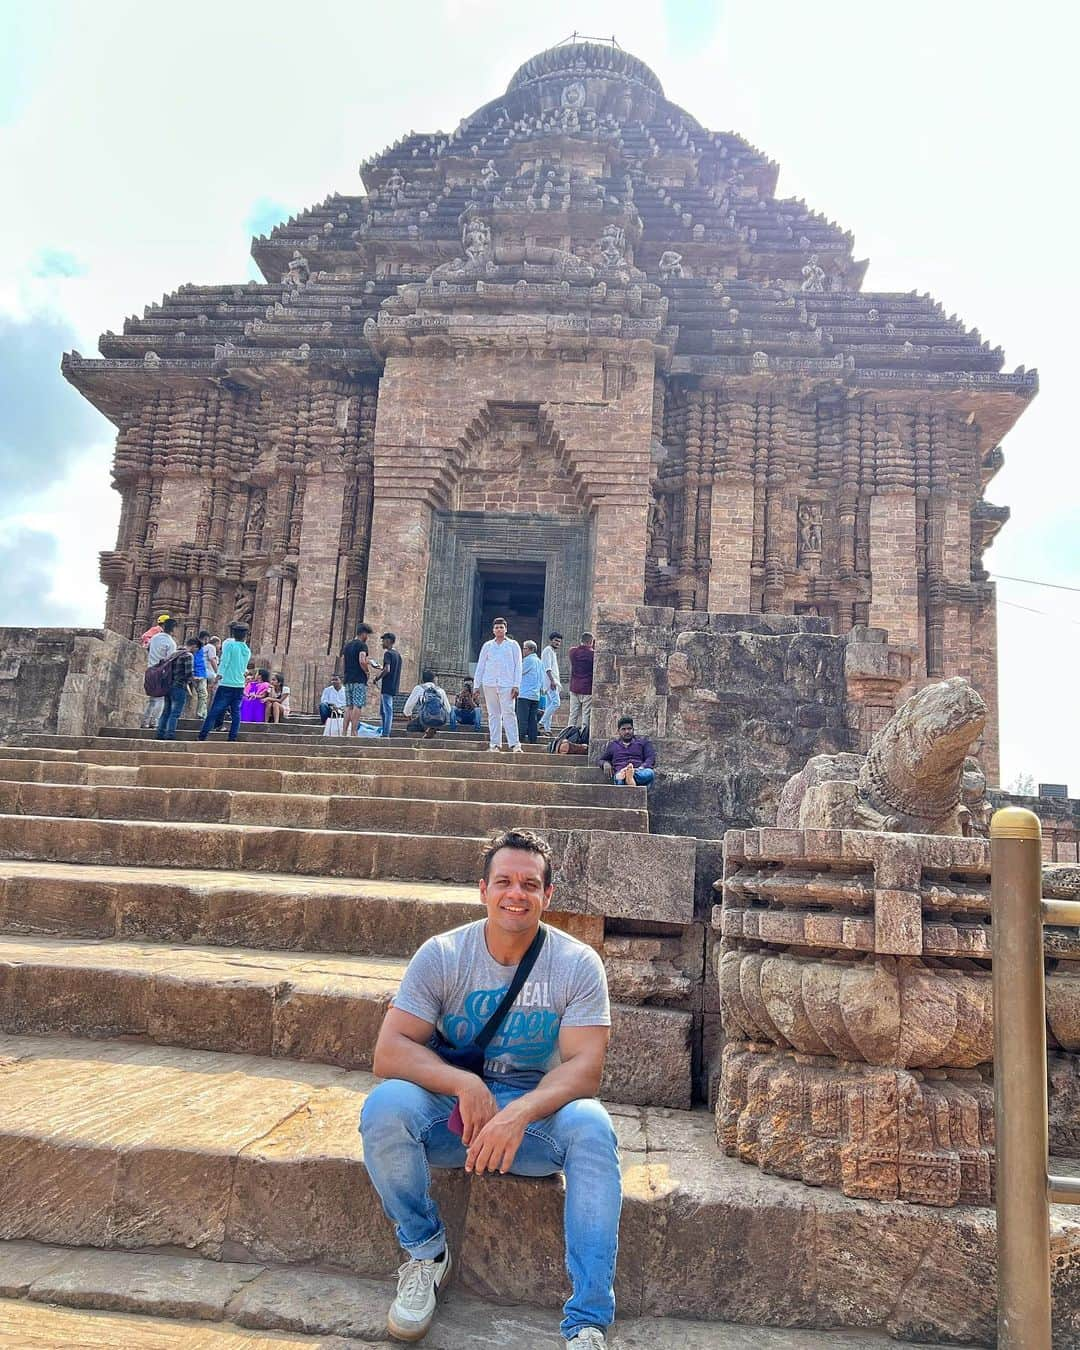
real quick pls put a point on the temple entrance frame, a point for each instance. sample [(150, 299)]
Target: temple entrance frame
[(467, 546)]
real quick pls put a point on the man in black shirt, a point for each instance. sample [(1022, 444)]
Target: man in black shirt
[(389, 677), (355, 677)]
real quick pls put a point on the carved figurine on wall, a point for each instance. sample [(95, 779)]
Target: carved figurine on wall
[(613, 246), (253, 530), (659, 530), (298, 272), (810, 535), (813, 275), (244, 605), (670, 264)]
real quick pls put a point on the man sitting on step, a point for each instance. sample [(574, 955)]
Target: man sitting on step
[(429, 703), (629, 760), (493, 1051)]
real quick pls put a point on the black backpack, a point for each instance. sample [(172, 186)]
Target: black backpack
[(431, 712), (572, 735)]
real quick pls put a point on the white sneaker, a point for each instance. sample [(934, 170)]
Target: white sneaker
[(493, 750), (589, 1338), (517, 750), (418, 1288)]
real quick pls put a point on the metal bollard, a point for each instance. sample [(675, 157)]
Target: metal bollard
[(1020, 1112)]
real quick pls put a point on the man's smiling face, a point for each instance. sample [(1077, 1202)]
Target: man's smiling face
[(514, 893)]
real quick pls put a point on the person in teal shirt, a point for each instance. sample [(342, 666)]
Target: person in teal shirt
[(232, 668)]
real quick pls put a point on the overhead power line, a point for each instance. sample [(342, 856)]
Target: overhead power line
[(1027, 581), (1057, 618)]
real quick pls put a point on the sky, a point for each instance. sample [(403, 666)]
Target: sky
[(141, 146)]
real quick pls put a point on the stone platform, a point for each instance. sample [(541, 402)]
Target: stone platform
[(188, 1002)]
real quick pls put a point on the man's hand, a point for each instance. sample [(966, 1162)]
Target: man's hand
[(495, 1147), (609, 771), (477, 1106), (514, 692)]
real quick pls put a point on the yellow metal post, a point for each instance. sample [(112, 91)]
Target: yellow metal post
[(1020, 1123)]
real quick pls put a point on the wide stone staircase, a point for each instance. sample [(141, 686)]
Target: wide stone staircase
[(197, 944)]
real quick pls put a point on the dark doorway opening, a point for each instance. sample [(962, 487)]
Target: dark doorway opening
[(514, 591)]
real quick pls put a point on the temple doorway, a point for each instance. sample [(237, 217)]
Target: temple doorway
[(514, 590)]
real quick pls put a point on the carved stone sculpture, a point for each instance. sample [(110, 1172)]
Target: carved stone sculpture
[(810, 535), (670, 264), (813, 275), (613, 246), (299, 272), (911, 778)]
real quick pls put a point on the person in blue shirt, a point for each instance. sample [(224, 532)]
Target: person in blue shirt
[(235, 654), (528, 699)]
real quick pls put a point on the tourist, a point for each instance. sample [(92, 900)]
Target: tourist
[(182, 685), (253, 706), (581, 673), (498, 677), (528, 699), (277, 699), (388, 679), (210, 648), (466, 709), (356, 668), (520, 1099), (159, 647), (429, 702), (197, 703), (154, 629), (629, 759), (549, 660), (235, 654), (332, 699)]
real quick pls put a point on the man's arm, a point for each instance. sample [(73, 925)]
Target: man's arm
[(402, 1051), (582, 1049), (412, 700), (481, 667), (649, 762)]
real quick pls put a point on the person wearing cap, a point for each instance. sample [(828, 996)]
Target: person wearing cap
[(161, 645)]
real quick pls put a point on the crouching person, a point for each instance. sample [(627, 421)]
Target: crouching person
[(493, 1051)]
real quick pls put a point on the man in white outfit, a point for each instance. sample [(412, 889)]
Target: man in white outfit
[(552, 686), (498, 673)]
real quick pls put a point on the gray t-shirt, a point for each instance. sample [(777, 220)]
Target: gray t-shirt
[(453, 982)]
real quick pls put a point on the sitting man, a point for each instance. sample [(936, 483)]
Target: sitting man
[(332, 699), (429, 702), (527, 1105), (466, 709), (629, 759)]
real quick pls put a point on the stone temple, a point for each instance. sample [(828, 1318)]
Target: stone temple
[(575, 352), (574, 363)]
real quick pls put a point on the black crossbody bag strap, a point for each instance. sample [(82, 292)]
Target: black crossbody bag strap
[(525, 966)]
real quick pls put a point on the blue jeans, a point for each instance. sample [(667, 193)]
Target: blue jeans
[(465, 719), (386, 708), (642, 777), (405, 1134), (227, 698), (170, 713)]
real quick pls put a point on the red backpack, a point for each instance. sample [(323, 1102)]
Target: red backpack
[(158, 678)]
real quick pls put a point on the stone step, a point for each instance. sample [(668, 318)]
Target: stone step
[(318, 1007), (450, 741), (132, 1293), (225, 909), (33, 1326), (441, 783), (133, 1146), (554, 766), (304, 810), (599, 872)]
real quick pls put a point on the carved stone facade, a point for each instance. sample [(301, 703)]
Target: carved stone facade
[(579, 306)]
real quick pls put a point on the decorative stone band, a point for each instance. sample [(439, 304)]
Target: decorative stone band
[(855, 993)]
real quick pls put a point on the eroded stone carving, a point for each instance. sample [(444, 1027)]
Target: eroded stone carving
[(670, 264), (813, 275), (911, 778)]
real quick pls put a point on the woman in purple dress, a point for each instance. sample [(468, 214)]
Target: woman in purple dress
[(253, 706)]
